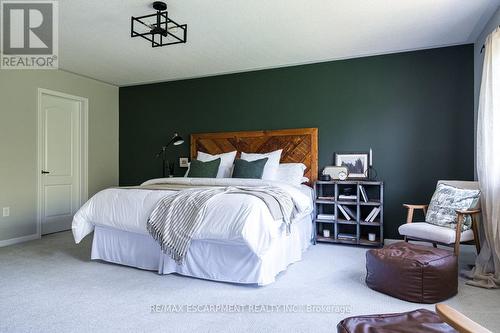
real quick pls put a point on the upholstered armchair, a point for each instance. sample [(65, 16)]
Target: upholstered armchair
[(435, 234)]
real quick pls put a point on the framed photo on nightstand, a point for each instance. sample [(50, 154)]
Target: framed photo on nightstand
[(355, 162)]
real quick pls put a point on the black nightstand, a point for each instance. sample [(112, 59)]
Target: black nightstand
[(343, 209)]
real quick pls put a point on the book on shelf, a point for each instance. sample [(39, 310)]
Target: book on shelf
[(326, 198), (373, 214), (349, 211), (347, 197), (364, 195), (346, 236), (342, 210), (367, 219), (325, 217)]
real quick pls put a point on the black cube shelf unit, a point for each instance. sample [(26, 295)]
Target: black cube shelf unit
[(355, 230)]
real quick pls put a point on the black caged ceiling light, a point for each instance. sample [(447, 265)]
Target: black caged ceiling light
[(158, 28)]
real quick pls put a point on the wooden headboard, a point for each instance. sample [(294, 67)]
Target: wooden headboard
[(299, 145)]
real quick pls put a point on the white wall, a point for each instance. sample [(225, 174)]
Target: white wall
[(18, 139)]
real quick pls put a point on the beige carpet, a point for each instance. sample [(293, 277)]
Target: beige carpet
[(50, 285)]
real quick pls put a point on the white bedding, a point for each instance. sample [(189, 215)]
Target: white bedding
[(235, 218)]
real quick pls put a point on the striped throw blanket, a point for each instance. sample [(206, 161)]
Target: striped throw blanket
[(177, 217)]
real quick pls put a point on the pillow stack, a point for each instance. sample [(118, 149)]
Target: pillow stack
[(271, 166), (292, 173), (254, 166), (226, 162)]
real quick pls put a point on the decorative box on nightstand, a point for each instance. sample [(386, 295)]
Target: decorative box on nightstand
[(349, 211)]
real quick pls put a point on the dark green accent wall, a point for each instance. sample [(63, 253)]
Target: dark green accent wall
[(415, 110)]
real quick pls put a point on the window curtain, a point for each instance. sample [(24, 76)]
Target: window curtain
[(486, 272)]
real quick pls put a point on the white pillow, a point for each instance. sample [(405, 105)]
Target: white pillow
[(226, 162), (291, 173), (272, 165)]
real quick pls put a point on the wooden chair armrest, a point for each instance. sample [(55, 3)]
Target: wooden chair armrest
[(415, 206), (461, 214), (468, 211), (411, 209), (458, 321)]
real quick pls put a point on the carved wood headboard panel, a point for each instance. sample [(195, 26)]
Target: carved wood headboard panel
[(299, 145)]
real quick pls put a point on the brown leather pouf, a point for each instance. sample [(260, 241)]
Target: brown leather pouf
[(414, 273), (418, 321)]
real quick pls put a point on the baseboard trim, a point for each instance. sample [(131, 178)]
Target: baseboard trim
[(18, 240)]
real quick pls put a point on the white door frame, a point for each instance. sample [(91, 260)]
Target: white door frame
[(84, 113)]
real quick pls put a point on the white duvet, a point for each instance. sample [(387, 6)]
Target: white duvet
[(229, 217)]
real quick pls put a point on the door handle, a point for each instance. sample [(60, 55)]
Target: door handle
[(45, 172)]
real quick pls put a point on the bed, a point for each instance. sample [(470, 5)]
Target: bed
[(239, 241)]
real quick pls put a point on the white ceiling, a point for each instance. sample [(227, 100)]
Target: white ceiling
[(241, 35)]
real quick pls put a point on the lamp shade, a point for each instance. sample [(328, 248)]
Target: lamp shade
[(177, 140)]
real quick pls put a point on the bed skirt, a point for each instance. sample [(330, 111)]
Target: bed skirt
[(211, 260)]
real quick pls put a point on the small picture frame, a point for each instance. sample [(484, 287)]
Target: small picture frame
[(356, 163), (183, 162)]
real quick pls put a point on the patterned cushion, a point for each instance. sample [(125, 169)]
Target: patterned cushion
[(445, 201)]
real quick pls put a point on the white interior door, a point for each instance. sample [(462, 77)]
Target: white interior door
[(60, 159)]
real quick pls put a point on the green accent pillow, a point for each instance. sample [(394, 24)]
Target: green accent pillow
[(199, 169), (246, 169)]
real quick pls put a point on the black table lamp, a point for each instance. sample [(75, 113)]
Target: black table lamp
[(176, 140)]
